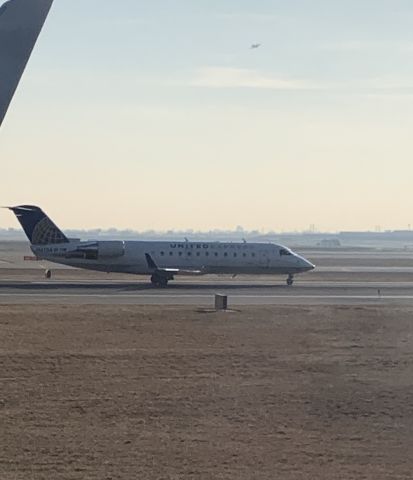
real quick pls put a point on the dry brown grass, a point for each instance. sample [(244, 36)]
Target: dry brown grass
[(165, 393)]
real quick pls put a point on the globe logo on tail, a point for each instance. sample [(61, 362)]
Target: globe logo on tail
[(45, 232)]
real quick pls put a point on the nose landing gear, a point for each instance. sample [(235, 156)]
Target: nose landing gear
[(290, 280)]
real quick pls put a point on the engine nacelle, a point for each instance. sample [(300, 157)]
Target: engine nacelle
[(110, 249), (98, 250)]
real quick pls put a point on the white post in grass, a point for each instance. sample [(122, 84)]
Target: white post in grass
[(221, 302)]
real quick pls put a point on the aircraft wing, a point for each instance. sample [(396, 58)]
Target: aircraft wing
[(169, 271), (20, 24)]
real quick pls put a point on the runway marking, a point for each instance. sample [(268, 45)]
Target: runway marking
[(124, 295), (12, 283)]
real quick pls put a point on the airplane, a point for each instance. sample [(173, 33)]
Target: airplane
[(20, 24), (255, 45), (162, 260)]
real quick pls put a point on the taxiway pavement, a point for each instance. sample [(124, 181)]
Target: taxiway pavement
[(201, 292)]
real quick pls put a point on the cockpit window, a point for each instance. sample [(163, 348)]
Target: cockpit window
[(283, 252)]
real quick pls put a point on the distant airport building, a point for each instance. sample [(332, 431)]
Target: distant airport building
[(329, 243)]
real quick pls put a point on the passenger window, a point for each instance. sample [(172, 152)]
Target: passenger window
[(171, 254), (252, 254), (235, 255), (198, 254), (216, 254), (162, 254), (225, 254), (180, 254), (207, 254)]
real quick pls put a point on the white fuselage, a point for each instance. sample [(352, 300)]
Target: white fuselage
[(185, 257)]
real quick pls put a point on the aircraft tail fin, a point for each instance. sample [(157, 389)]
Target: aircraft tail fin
[(38, 227), (20, 24)]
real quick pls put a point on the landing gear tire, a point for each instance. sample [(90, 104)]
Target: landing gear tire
[(48, 274), (159, 282), (290, 280)]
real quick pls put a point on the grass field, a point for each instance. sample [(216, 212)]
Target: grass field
[(167, 393)]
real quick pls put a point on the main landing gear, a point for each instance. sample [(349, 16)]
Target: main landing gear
[(159, 281), (290, 280), (48, 274)]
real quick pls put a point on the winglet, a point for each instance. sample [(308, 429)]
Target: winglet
[(150, 261), (20, 24)]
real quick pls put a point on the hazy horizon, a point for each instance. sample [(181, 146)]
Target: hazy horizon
[(160, 116)]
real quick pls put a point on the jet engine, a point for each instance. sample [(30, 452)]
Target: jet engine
[(110, 249), (98, 250)]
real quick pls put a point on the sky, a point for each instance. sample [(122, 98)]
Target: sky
[(159, 115)]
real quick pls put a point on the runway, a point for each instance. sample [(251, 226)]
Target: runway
[(201, 293)]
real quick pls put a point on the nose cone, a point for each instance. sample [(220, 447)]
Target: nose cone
[(308, 266), (305, 265)]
